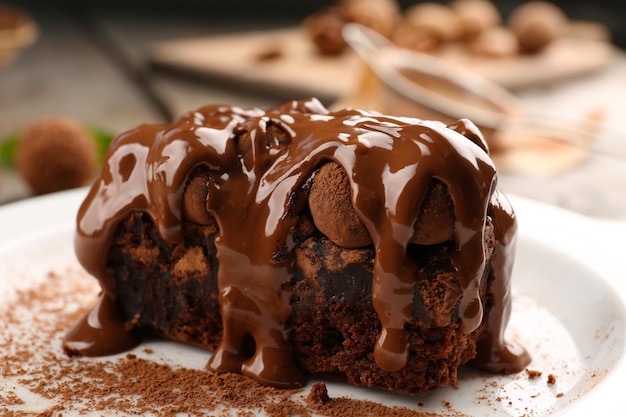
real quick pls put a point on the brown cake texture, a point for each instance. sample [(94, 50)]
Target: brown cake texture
[(351, 267)]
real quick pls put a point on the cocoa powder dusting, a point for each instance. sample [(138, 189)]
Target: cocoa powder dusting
[(349, 407), (130, 383)]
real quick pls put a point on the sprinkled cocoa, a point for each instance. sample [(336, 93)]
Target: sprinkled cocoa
[(129, 383)]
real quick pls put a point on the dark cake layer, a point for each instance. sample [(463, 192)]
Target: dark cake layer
[(171, 289)]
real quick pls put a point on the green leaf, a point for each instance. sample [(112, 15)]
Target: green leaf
[(102, 138), (8, 148), (8, 145)]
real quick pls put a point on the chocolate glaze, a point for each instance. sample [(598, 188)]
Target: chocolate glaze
[(260, 163), (494, 353)]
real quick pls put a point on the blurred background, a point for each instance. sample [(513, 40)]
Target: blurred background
[(111, 65)]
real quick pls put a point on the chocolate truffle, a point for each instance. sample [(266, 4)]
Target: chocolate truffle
[(537, 24), (55, 154)]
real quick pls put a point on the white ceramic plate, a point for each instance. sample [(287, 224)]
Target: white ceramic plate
[(568, 311)]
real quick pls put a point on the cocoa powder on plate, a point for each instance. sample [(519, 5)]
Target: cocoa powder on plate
[(33, 322)]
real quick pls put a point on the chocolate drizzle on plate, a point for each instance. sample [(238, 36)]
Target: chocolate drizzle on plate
[(260, 163)]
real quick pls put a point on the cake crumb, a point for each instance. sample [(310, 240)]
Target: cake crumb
[(532, 374), (551, 379), (318, 395)]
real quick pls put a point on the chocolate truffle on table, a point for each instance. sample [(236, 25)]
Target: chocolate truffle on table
[(476, 16), (537, 24), (415, 38), (55, 154), (496, 42), (324, 27), (439, 19), (352, 245), (380, 15)]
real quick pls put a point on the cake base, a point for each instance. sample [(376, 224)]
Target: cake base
[(171, 289)]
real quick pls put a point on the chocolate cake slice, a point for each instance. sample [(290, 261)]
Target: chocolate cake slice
[(356, 246)]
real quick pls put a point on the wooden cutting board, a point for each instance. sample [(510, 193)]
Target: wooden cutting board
[(284, 62), (280, 61)]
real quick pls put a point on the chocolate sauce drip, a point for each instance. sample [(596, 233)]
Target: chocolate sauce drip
[(259, 163), (101, 331), (494, 353)]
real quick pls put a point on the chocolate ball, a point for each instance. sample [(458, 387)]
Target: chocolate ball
[(495, 42), (330, 203), (415, 38), (441, 20), (380, 15), (324, 28), (435, 223), (476, 16), (536, 24), (55, 154), (195, 199)]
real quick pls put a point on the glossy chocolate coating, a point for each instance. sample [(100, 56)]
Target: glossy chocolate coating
[(260, 162)]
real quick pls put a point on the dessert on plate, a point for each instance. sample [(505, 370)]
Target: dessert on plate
[(297, 241)]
